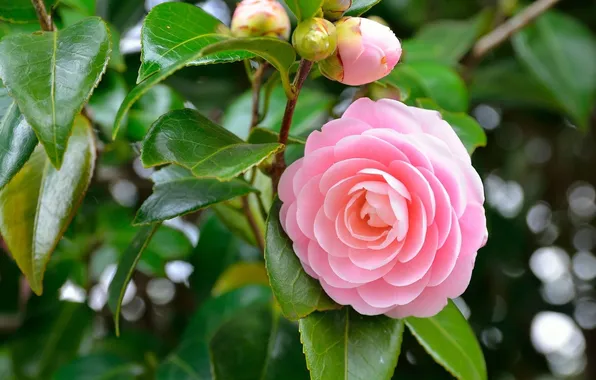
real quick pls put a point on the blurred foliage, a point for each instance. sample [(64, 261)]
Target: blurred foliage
[(531, 302)]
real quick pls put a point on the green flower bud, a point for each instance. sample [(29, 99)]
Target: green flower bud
[(335, 9), (315, 39)]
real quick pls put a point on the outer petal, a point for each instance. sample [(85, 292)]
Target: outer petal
[(352, 298), (382, 294), (428, 304), (334, 131)]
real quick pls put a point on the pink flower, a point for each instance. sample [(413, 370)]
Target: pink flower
[(386, 210), (366, 51), (258, 18)]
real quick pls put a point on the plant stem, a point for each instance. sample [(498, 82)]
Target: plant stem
[(257, 80), (510, 27), (253, 223), (280, 163), (45, 21)]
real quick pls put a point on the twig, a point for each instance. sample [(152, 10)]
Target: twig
[(280, 163), (510, 27), (253, 223), (257, 80), (42, 15)]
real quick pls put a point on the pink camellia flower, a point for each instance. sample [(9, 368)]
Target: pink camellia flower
[(386, 210), (258, 18), (366, 51)]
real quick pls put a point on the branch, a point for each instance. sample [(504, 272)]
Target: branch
[(257, 80), (510, 27), (280, 163), (42, 15)]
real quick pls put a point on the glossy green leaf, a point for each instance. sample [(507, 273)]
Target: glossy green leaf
[(445, 41), (172, 33), (51, 336), (126, 268), (191, 360), (304, 9), (107, 97), (509, 84), (345, 345), (258, 344), (297, 293), (466, 127), (218, 248), (278, 53), (265, 136), (156, 102), (17, 139), (187, 138), (312, 110), (361, 6), (448, 338), (63, 68), (180, 196), (99, 367), (143, 87), (21, 11), (559, 52), (436, 81), (39, 202)]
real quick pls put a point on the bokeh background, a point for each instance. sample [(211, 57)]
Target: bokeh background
[(531, 302)]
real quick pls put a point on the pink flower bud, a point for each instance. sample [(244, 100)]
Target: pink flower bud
[(366, 52), (259, 18)]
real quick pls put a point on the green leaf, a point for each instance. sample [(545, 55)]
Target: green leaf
[(99, 367), (297, 293), (240, 275), (445, 41), (63, 68), (107, 97), (345, 345), (278, 53), (448, 338), (126, 268), (258, 344), (433, 80), (264, 136), (466, 127), (304, 9), (559, 52), (37, 205), (87, 7), (116, 62), (312, 110), (191, 361), (218, 248), (162, 74), (361, 6), (156, 102), (49, 338), (17, 139), (507, 83), (172, 33), (180, 196), (21, 11), (187, 138)]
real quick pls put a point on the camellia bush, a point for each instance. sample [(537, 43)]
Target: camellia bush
[(331, 207)]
